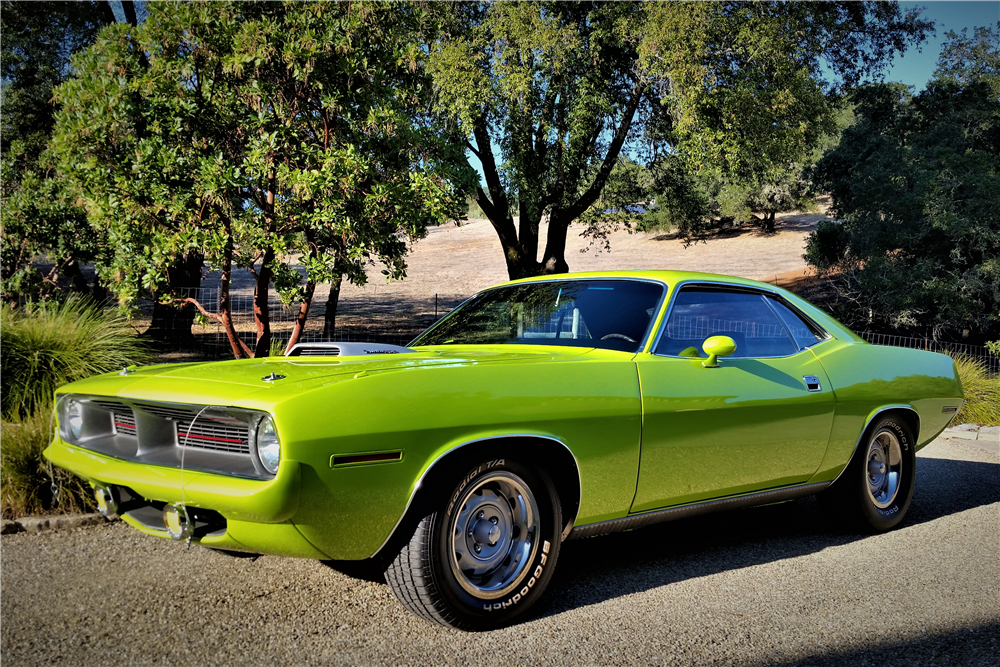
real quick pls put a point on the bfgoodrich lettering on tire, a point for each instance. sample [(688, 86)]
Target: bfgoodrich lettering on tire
[(487, 553), (874, 491)]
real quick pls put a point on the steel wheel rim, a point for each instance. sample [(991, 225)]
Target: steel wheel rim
[(494, 536), (884, 469)]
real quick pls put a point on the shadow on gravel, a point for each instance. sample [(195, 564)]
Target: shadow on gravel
[(593, 570), (965, 646)]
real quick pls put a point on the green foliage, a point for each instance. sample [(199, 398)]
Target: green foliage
[(964, 60), (49, 344), (994, 347), (278, 347), (916, 182), (982, 393), (39, 214), (253, 131), (38, 40), (474, 210), (563, 88), (25, 482), (682, 200), (826, 248)]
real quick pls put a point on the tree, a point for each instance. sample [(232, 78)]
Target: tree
[(696, 201), (39, 214), (916, 183), (254, 131), (559, 90), (965, 60)]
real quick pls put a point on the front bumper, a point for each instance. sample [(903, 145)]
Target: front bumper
[(257, 513)]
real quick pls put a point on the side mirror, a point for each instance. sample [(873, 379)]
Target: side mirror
[(715, 347)]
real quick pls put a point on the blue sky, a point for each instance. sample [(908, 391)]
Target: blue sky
[(915, 68)]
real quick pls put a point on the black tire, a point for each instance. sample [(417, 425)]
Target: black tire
[(504, 521), (874, 491)]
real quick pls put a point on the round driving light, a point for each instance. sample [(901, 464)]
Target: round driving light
[(268, 447), (177, 521), (107, 500), (74, 417)]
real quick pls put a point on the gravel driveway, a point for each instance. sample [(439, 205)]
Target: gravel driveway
[(765, 586)]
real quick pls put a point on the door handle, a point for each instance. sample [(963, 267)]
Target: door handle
[(812, 383)]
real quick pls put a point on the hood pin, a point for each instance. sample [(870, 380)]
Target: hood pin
[(272, 377)]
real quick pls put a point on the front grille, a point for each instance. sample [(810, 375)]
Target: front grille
[(194, 437), (208, 434), (122, 417), (169, 411), (124, 422)]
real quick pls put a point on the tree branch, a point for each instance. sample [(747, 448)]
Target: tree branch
[(590, 196)]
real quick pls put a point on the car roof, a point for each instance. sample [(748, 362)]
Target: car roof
[(660, 275), (673, 278)]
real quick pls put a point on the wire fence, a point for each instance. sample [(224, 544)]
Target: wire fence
[(393, 321), (359, 319), (977, 352)]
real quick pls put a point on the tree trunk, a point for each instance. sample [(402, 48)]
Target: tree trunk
[(106, 12), (261, 311), (300, 317), (128, 7), (71, 270), (330, 317), (225, 304), (170, 323), (520, 246), (99, 292), (768, 223), (554, 260)]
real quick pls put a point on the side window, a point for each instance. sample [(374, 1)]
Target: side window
[(746, 317), (803, 334)]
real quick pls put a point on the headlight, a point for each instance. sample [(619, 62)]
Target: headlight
[(74, 418), (268, 447)]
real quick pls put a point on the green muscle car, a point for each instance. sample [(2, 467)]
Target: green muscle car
[(538, 411)]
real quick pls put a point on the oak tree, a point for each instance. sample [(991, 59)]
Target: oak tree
[(550, 94)]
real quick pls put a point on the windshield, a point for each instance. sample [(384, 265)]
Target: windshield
[(609, 314)]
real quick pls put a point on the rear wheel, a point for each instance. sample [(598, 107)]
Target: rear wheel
[(485, 555), (874, 492)]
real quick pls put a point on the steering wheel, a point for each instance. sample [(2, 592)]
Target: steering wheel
[(618, 335)]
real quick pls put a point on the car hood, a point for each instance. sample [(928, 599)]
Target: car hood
[(248, 382)]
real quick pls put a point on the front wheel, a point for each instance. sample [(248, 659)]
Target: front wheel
[(875, 490), (486, 554)]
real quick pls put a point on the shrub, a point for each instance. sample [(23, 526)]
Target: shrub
[(47, 345), (827, 246), (982, 393), (25, 481)]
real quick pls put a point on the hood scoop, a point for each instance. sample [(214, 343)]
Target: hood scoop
[(344, 349)]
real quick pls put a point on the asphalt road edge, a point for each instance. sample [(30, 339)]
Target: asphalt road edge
[(41, 524)]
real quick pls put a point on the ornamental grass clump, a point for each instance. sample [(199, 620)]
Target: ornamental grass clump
[(26, 478), (47, 345), (982, 393)]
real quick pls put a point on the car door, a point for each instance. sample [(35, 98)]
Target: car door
[(759, 420)]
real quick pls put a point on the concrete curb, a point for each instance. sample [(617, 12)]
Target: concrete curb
[(973, 432), (41, 524)]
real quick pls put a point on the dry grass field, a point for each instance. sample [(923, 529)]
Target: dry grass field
[(456, 260)]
